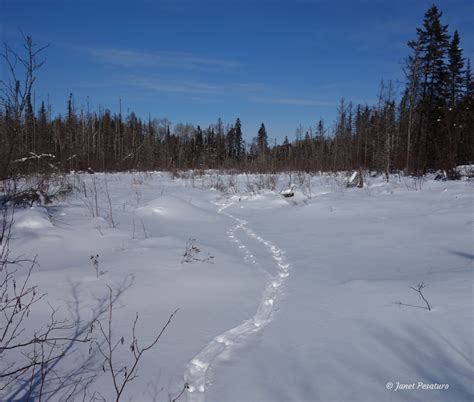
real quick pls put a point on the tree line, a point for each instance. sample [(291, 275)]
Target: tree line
[(428, 126)]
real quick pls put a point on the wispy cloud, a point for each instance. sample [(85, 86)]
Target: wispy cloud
[(293, 101), (179, 86), (194, 87), (136, 58)]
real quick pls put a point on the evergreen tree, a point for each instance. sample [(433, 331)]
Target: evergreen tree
[(262, 140), (466, 137), (434, 42), (42, 129), (468, 81), (238, 145), (30, 127), (413, 72), (431, 128), (71, 127), (455, 69)]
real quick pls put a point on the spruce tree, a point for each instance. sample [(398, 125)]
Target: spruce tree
[(468, 81), (455, 69), (433, 41), (413, 72), (262, 140), (42, 129), (238, 141), (466, 142)]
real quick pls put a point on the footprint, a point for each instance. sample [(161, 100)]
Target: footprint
[(222, 345)]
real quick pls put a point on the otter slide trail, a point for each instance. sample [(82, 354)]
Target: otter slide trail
[(195, 374)]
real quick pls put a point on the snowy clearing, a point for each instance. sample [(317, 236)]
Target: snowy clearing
[(305, 298)]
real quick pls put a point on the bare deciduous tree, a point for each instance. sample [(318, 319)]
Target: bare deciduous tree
[(15, 97)]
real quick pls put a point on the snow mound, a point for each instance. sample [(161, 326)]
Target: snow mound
[(33, 218), (173, 208)]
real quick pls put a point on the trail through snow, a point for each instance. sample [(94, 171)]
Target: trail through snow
[(340, 323), (195, 374)]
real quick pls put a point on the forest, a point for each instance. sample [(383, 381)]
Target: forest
[(426, 125)]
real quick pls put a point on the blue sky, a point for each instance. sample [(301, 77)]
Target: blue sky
[(280, 62)]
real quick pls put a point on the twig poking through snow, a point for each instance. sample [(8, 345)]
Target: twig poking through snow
[(419, 289), (191, 251), (185, 387)]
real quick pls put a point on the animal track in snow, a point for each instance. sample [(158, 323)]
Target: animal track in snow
[(195, 374)]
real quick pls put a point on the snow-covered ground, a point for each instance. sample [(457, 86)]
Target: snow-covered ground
[(306, 298)]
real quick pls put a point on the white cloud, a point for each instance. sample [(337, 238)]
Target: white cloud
[(293, 101), (135, 58), (194, 87), (175, 86)]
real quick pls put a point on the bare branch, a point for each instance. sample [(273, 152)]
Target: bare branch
[(123, 374), (419, 289)]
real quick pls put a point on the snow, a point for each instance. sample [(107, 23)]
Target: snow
[(33, 218), (353, 177), (288, 192), (34, 156), (307, 298), (196, 371)]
